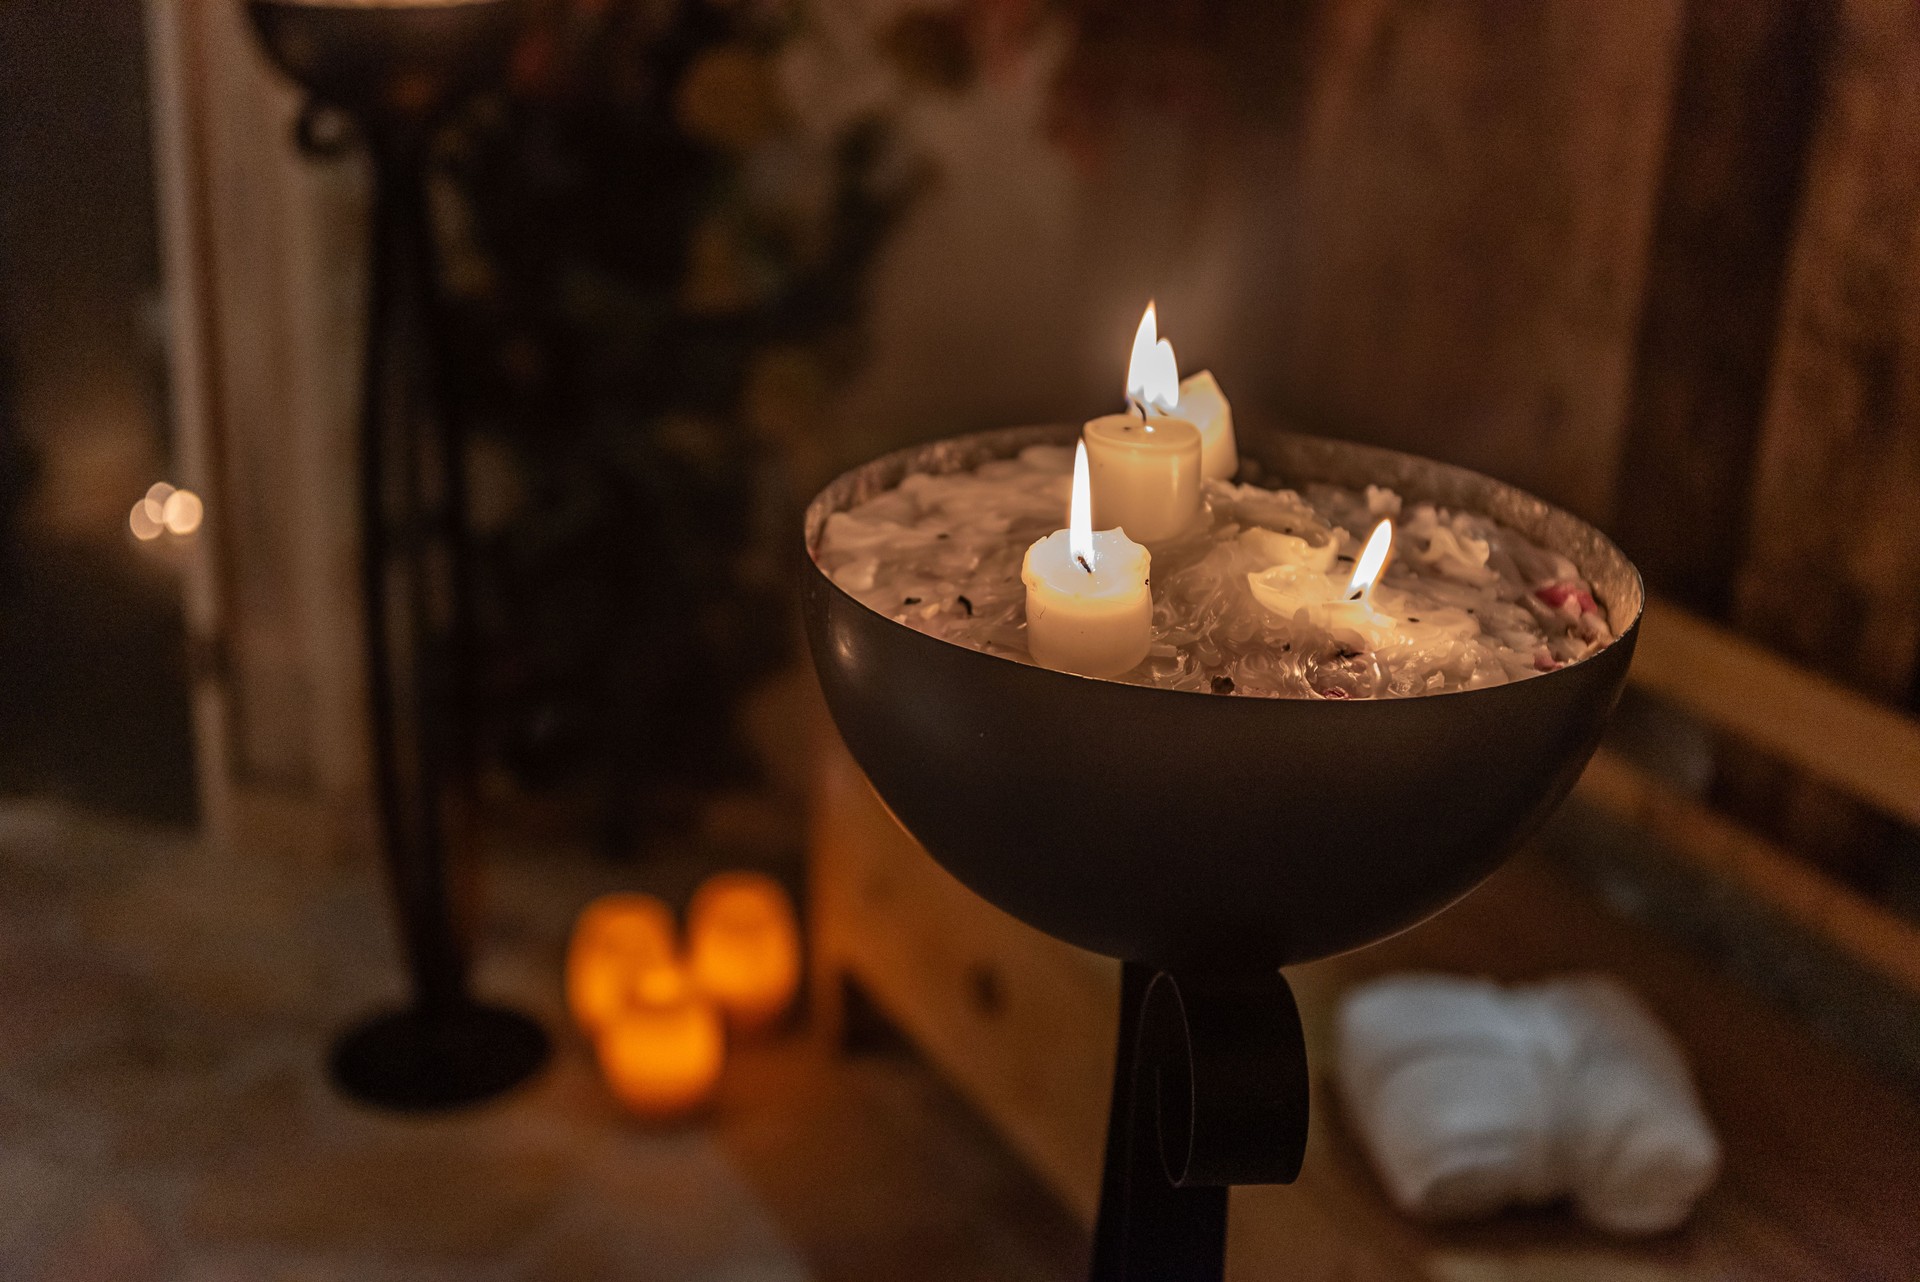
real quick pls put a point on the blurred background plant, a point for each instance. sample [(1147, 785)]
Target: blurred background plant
[(657, 242)]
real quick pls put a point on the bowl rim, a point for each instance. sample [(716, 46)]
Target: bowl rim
[(816, 512)]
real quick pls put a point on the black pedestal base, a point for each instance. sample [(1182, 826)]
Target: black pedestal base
[(1209, 1091), (416, 1060)]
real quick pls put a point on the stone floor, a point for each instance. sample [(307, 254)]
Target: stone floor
[(163, 1016)]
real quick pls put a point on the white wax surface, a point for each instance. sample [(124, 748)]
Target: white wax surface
[(1204, 405), (1471, 603)]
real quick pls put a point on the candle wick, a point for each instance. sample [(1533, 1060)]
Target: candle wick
[(1083, 564)]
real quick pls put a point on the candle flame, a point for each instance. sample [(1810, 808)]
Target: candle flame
[(1373, 559), (1080, 512), (1153, 375)]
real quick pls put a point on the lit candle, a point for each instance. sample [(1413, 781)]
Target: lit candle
[(1088, 606), (662, 1056), (1204, 405), (1146, 465), (1302, 583), (744, 945), (616, 941)]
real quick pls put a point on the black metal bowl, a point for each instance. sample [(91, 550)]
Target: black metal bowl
[(1212, 831), (387, 59)]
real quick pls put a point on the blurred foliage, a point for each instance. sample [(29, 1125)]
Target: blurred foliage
[(655, 262)]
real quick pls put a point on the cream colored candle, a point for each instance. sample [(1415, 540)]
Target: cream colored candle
[(1088, 606), (1146, 475), (1146, 466), (1204, 405), (1301, 582)]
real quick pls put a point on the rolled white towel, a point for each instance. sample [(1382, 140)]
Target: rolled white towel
[(1639, 1150), (1470, 1097), (1438, 1075)]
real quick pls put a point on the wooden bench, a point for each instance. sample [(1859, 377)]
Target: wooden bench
[(1823, 1160)]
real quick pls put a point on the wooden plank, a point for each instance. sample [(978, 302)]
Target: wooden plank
[(1802, 717), (1448, 252), (1835, 550), (1743, 112), (1022, 1024), (1881, 941)]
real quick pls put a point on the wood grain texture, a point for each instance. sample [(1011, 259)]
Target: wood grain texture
[(1022, 1024), (1804, 718), (1447, 254), (1879, 940), (1835, 550), (1743, 110)]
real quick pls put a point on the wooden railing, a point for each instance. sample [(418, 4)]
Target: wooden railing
[(1859, 747)]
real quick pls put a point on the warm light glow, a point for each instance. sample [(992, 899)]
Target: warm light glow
[(618, 942), (1373, 559), (145, 526), (662, 1056), (744, 944), (1080, 511), (1153, 375), (182, 511), (1141, 357)]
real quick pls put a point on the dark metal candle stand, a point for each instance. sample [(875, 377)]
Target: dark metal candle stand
[(394, 71), (1208, 841)]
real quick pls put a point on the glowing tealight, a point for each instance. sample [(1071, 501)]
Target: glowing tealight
[(744, 944), (618, 941), (1088, 607), (662, 1055)]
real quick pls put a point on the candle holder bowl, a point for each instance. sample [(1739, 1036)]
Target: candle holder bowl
[(1208, 840), (1190, 829)]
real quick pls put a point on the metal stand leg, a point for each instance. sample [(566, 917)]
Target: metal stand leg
[(1210, 1090), (445, 1049)]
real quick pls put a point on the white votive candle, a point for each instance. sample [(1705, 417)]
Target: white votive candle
[(1300, 582), (1089, 609), (1204, 405), (1145, 473)]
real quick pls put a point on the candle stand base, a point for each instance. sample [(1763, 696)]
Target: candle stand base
[(1209, 1090), (422, 1058)]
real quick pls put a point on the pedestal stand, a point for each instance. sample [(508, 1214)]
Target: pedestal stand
[(1209, 1091), (394, 71)]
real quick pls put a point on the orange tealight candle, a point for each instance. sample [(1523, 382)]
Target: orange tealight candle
[(662, 1053), (744, 944), (616, 941)]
